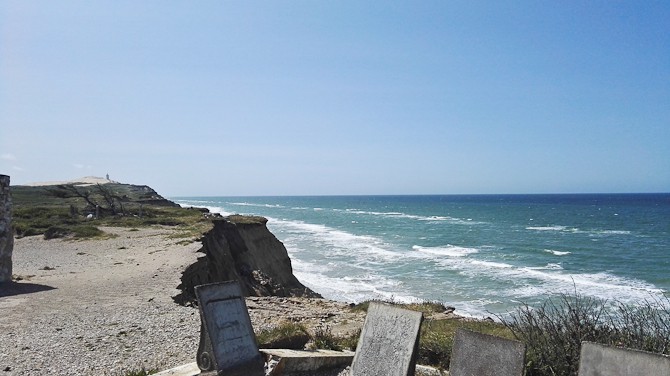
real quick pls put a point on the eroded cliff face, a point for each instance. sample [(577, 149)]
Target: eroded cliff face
[(241, 248)]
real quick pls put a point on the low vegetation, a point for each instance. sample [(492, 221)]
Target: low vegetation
[(287, 335), (77, 212), (246, 219), (553, 331), (141, 372)]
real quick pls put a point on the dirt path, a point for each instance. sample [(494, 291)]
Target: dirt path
[(105, 306)]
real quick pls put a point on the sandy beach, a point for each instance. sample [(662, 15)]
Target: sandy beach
[(105, 306)]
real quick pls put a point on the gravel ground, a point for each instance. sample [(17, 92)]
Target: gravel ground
[(105, 306)]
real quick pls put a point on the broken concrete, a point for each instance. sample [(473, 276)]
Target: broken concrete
[(227, 341), (6, 230), (485, 355), (283, 361), (389, 342), (597, 359)]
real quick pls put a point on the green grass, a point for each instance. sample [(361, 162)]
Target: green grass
[(141, 372), (437, 337), (287, 335), (38, 211), (427, 308), (246, 219)]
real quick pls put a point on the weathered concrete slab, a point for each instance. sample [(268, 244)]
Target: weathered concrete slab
[(389, 342), (485, 355), (6, 230), (600, 360), (189, 369), (227, 341), (283, 361)]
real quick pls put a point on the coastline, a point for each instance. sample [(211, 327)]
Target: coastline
[(105, 306)]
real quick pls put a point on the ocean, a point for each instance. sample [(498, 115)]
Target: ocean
[(482, 254)]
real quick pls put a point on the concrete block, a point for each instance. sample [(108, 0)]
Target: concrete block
[(389, 342), (601, 360), (6, 230), (284, 361), (477, 354), (227, 341)]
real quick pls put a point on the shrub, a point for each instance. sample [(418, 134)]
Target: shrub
[(86, 231), (553, 331), (287, 335), (141, 372), (55, 232), (323, 338), (437, 338), (78, 232)]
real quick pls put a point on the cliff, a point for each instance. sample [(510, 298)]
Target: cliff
[(242, 248)]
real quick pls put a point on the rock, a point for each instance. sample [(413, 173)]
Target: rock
[(241, 248)]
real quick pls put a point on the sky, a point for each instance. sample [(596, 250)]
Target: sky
[(230, 98)]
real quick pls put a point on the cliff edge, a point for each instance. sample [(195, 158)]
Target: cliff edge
[(241, 248)]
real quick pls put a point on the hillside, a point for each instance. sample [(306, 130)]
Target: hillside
[(77, 208)]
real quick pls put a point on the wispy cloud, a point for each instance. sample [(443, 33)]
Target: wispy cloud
[(8, 157), (17, 168), (82, 166)]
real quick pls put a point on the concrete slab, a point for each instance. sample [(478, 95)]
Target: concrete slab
[(429, 371), (485, 355), (284, 361), (388, 343), (228, 344), (189, 369), (600, 360)]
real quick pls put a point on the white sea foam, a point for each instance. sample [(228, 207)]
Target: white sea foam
[(601, 285), (256, 205), (448, 250), (351, 288), (361, 248), (557, 253), (549, 266), (610, 232), (491, 264), (547, 228), (432, 218), (533, 281), (574, 230)]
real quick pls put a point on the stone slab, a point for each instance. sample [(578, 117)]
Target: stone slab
[(289, 361), (388, 343), (6, 230), (485, 355), (189, 369), (228, 332), (600, 360)]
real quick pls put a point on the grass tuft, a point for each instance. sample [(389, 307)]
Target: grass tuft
[(141, 372), (287, 335)]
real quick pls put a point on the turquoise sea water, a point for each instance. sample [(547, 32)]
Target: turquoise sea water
[(481, 254)]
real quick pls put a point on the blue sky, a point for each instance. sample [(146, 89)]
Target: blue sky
[(338, 97)]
